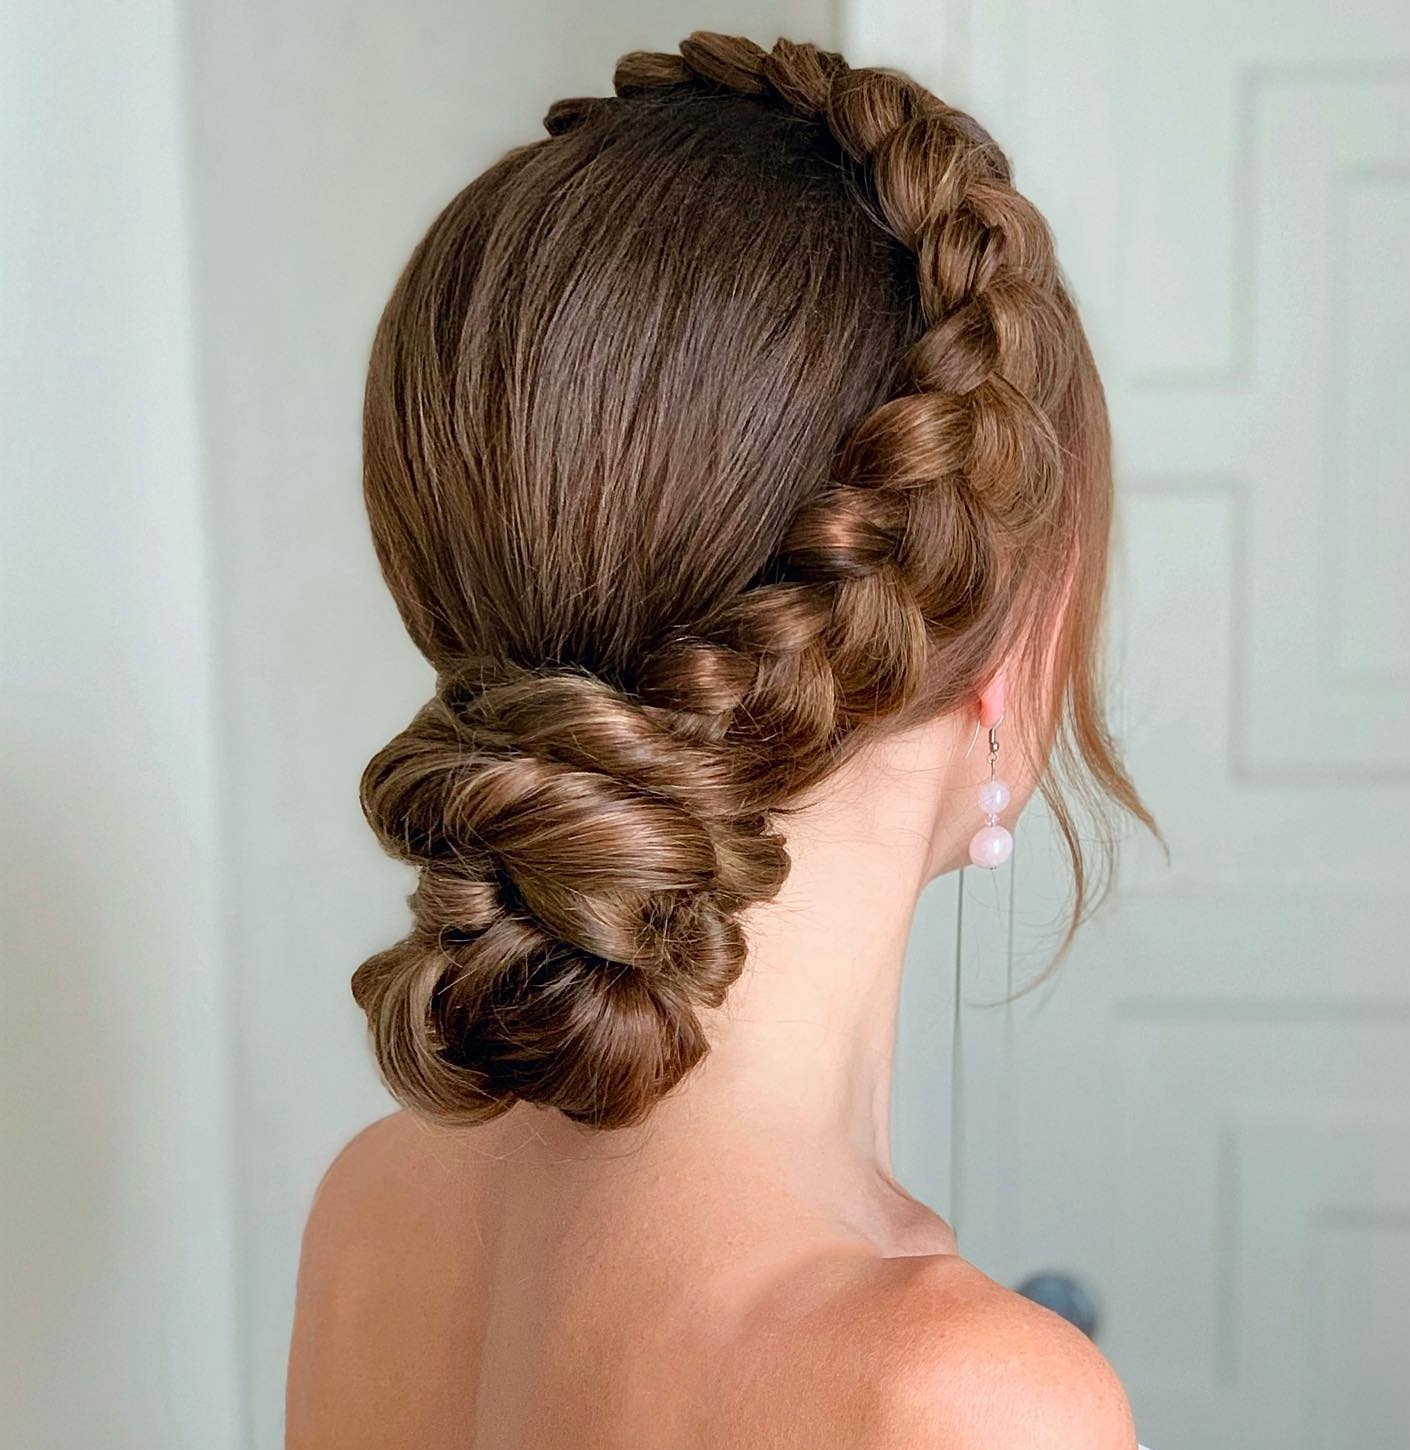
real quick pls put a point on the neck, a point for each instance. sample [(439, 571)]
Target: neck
[(806, 1041), (799, 1071), (804, 1046)]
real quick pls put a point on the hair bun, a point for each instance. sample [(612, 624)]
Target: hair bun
[(581, 870)]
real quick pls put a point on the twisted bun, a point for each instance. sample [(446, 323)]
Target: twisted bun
[(745, 416), (580, 871)]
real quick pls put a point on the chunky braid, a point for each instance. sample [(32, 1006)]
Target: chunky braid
[(905, 551)]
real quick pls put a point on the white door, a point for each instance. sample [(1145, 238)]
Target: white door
[(1203, 1121)]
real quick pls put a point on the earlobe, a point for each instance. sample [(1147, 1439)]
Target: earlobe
[(992, 699)]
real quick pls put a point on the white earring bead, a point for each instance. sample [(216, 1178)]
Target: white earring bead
[(992, 844), (991, 847), (994, 796)]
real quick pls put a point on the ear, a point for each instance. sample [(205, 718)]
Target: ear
[(992, 699)]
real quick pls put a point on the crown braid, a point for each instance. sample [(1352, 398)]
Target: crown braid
[(933, 491)]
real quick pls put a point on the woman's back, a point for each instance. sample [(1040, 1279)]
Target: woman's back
[(468, 1292)]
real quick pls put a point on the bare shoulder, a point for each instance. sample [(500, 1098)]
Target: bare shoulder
[(387, 1282), (394, 1167), (967, 1364), (917, 1353), (390, 1185)]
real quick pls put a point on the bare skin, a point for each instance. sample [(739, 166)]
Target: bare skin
[(741, 1271)]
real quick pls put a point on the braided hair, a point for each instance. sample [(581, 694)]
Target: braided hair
[(742, 418)]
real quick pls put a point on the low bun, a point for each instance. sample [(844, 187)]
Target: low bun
[(581, 870)]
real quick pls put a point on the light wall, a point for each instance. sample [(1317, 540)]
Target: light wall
[(117, 1207), (206, 206)]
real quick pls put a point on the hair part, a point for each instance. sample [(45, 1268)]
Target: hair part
[(745, 416)]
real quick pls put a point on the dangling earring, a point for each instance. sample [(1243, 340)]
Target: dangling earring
[(992, 844)]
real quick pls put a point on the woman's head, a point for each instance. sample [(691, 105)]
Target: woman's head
[(740, 421)]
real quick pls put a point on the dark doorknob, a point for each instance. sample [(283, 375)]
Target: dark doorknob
[(1065, 1296)]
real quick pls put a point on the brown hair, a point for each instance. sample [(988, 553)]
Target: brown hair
[(745, 416)]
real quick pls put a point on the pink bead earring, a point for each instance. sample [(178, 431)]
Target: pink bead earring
[(992, 844)]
